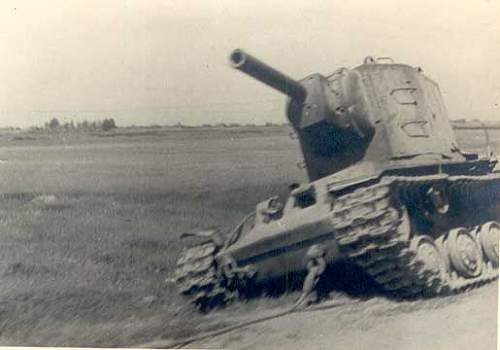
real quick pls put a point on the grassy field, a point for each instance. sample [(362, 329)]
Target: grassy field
[(91, 271)]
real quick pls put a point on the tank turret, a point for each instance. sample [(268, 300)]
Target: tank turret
[(369, 116)]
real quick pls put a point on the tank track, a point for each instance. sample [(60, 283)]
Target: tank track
[(197, 279), (373, 231)]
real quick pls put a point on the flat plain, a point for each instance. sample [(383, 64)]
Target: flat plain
[(90, 267)]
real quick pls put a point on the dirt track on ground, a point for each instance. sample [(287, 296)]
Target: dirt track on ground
[(467, 321)]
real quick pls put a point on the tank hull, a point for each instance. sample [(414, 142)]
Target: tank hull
[(279, 246), (384, 227)]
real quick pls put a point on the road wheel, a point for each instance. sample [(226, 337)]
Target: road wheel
[(488, 238), (464, 252)]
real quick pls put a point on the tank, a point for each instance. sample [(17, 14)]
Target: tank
[(389, 191)]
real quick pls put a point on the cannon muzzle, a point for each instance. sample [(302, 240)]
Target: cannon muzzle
[(267, 75)]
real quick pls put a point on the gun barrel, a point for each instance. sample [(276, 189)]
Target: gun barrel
[(267, 75)]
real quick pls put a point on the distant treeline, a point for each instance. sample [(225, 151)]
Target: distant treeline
[(106, 124), (206, 125)]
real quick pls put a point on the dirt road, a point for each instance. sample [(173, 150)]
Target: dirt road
[(467, 321)]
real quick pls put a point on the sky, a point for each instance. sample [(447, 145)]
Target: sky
[(165, 62)]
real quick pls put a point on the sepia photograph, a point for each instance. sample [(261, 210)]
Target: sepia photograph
[(230, 174)]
